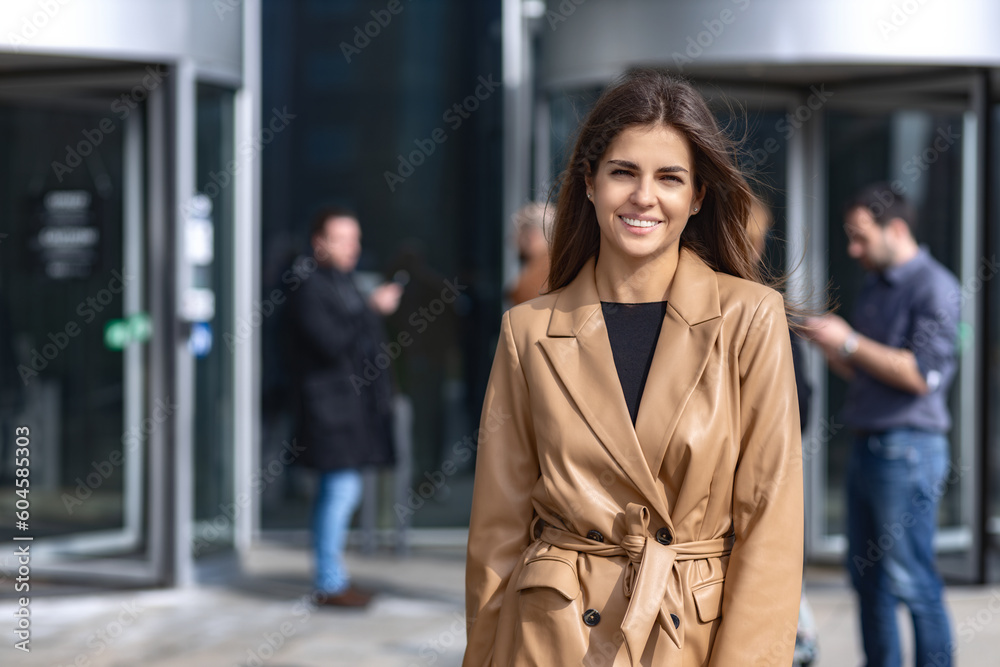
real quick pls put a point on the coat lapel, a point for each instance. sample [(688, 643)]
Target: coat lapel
[(580, 354), (690, 330)]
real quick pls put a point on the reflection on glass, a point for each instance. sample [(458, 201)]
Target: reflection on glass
[(61, 285)]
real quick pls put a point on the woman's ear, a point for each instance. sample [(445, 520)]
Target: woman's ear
[(699, 199), (588, 179)]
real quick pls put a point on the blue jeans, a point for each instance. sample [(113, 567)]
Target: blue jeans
[(895, 480), (336, 500)]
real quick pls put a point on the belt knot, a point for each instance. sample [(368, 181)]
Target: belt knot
[(634, 543)]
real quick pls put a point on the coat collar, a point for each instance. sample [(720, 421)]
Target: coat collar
[(693, 296), (580, 354)]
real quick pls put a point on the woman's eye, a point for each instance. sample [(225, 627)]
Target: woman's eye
[(621, 172)]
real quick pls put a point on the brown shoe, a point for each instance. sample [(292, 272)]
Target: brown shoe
[(352, 597)]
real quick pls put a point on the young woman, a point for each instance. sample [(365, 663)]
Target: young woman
[(638, 493)]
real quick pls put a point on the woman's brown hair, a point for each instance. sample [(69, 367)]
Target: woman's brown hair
[(717, 233)]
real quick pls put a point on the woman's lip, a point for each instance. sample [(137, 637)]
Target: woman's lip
[(652, 221), (632, 229), (639, 217)]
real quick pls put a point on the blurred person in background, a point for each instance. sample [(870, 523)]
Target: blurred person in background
[(638, 489), (343, 408), (760, 223), (532, 224), (899, 357)]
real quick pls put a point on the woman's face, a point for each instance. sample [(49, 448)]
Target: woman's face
[(643, 191)]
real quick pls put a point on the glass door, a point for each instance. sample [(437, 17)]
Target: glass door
[(925, 141), (75, 330)]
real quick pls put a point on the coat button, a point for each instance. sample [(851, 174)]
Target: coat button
[(591, 617), (676, 619), (595, 535), (663, 536)]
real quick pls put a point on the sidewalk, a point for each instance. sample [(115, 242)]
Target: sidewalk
[(265, 618)]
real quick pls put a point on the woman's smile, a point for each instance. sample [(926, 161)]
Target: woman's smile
[(643, 191), (639, 225)]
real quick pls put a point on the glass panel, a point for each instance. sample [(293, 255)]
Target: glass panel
[(992, 370), (566, 111), (417, 156), (62, 297), (899, 147), (764, 159), (213, 404)]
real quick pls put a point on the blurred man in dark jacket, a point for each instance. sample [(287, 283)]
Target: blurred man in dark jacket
[(344, 392)]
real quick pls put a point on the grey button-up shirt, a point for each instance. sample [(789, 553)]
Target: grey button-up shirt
[(914, 306)]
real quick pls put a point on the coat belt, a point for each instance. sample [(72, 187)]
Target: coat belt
[(647, 573)]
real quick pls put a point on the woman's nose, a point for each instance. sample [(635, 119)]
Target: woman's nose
[(643, 193)]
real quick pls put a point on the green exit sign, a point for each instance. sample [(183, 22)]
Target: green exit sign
[(133, 329)]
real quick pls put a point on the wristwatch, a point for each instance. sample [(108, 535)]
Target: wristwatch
[(850, 345)]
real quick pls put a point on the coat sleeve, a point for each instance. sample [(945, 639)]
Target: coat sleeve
[(506, 472), (764, 578)]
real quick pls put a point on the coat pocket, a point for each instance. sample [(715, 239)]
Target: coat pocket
[(549, 629), (553, 572), (708, 600)]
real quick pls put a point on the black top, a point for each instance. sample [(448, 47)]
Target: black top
[(632, 330)]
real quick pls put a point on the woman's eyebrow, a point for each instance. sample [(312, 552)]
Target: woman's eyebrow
[(632, 165)]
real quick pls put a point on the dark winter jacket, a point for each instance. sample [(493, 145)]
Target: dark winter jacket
[(343, 388)]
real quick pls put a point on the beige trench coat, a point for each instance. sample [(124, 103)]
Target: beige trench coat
[(676, 542)]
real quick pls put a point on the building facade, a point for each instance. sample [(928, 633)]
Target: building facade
[(131, 133), (161, 161)]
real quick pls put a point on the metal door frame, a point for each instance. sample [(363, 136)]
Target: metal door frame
[(914, 94), (143, 523)]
